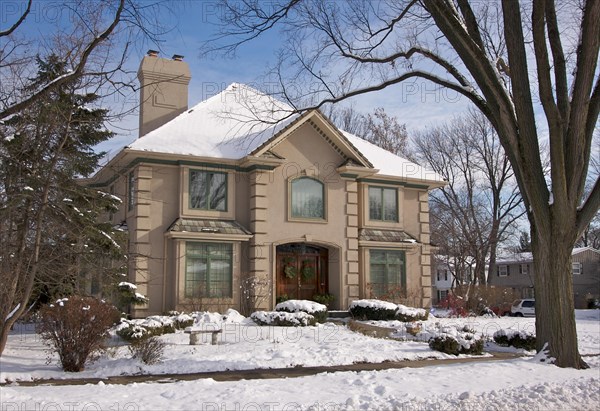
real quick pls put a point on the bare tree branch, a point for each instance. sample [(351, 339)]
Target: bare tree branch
[(79, 69), (18, 22)]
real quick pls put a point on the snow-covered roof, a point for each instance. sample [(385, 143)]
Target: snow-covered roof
[(237, 121), (528, 257)]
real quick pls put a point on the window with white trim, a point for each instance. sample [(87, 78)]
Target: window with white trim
[(576, 268), (524, 269), (502, 270)]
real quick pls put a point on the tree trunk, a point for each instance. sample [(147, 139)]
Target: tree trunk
[(554, 306)]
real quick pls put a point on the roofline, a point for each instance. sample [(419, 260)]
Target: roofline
[(302, 118)]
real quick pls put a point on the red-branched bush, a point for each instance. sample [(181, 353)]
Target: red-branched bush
[(76, 328), (456, 305)]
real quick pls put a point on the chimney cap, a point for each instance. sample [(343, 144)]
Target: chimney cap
[(152, 53), (177, 57)]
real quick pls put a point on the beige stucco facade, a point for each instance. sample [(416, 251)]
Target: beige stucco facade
[(257, 224)]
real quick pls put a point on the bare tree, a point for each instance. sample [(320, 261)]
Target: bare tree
[(378, 128), (93, 38), (347, 118), (481, 203), (482, 51)]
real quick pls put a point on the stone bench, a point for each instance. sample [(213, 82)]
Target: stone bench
[(195, 335)]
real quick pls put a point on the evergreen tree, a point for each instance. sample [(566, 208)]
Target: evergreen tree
[(50, 226)]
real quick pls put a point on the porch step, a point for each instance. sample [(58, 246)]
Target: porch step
[(338, 314)]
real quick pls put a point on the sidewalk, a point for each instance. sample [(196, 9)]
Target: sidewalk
[(267, 373)]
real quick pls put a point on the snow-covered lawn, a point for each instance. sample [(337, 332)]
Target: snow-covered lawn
[(520, 383)]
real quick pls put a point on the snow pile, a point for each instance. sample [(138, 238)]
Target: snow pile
[(375, 304), (411, 311), (371, 309), (283, 319), (294, 306), (215, 321)]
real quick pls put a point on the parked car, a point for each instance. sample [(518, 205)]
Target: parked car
[(523, 308)]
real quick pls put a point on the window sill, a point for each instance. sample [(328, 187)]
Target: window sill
[(307, 220)]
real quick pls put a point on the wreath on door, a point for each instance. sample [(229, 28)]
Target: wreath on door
[(308, 269), (289, 270)]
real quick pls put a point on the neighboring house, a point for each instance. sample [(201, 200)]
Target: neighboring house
[(442, 283), (517, 273), (448, 275), (215, 201)]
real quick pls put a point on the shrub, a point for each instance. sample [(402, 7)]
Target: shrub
[(455, 341), (517, 339), (456, 305), (283, 319), (373, 310), (445, 343), (318, 311), (182, 321), (76, 328), (385, 311), (408, 314), (148, 350), (132, 330), (325, 299)]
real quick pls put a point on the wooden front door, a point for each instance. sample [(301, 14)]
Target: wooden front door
[(301, 271)]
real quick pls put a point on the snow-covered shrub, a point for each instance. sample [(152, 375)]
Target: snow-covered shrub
[(128, 295), (445, 343), (283, 319), (386, 311), (132, 330), (319, 311), (76, 328), (517, 339), (182, 320), (408, 314), (452, 340), (148, 350), (373, 310)]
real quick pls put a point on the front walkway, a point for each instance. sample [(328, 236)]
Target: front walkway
[(267, 373)]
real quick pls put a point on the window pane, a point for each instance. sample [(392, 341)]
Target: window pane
[(209, 269), (375, 203), (386, 270), (198, 189), (208, 191), (218, 191), (390, 206), (307, 198)]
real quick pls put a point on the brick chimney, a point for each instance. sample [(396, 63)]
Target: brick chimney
[(163, 90)]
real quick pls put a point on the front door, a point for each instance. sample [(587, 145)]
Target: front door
[(301, 271)]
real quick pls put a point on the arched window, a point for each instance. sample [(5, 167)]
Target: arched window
[(307, 198)]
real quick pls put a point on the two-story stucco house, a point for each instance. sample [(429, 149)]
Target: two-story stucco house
[(212, 197), (517, 272)]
